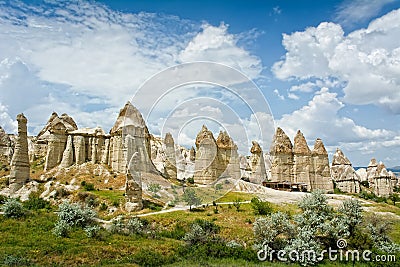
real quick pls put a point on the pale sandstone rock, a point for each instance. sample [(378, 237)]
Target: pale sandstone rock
[(227, 157), (68, 155), (206, 157), (257, 164), (6, 145), (80, 149), (282, 157), (323, 179), (133, 192), (303, 167), (170, 156), (345, 177), (20, 168)]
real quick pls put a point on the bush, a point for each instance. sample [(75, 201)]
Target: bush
[(261, 207), (61, 229), (148, 257), (136, 226), (201, 231), (37, 203), (92, 231), (12, 260), (177, 233), (190, 180), (12, 208), (103, 206), (89, 187), (75, 215), (118, 227)]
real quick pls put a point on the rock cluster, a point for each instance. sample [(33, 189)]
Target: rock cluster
[(170, 159), (298, 164), (379, 179), (20, 168), (343, 174)]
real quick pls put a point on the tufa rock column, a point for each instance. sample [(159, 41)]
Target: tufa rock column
[(170, 161), (303, 169), (343, 174), (322, 180), (257, 164), (282, 157), (19, 174)]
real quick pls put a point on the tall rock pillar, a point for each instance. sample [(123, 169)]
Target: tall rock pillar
[(282, 157), (322, 179), (19, 174), (257, 164), (303, 167)]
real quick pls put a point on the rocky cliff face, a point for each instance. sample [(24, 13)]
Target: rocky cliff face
[(19, 174), (228, 157), (282, 157), (171, 155), (343, 173)]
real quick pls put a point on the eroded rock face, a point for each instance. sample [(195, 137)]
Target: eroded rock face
[(228, 157), (20, 169), (129, 135), (133, 192), (257, 164), (170, 153), (206, 157), (282, 157), (303, 167), (68, 155), (6, 145), (55, 134), (343, 173), (322, 180), (382, 181)]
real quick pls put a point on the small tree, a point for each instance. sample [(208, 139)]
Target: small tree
[(237, 203), (191, 198)]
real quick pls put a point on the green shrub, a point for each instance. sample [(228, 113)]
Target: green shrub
[(89, 187), (12, 208), (177, 233), (190, 180), (92, 231), (37, 203), (11, 260), (103, 206), (136, 225), (61, 229), (75, 215), (261, 207)]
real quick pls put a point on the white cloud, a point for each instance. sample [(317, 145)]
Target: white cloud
[(293, 96), (351, 12), (7, 123), (217, 45), (88, 60), (320, 118), (366, 62), (281, 97)]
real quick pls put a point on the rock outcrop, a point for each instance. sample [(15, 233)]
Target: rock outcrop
[(257, 164), (322, 179), (303, 167), (382, 181), (6, 145), (343, 174), (228, 157), (170, 156), (133, 191), (282, 157), (297, 164), (54, 134), (20, 168), (130, 135), (206, 157)]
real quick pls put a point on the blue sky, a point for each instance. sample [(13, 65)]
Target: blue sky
[(329, 68)]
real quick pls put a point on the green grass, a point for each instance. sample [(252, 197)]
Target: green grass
[(232, 196), (109, 195)]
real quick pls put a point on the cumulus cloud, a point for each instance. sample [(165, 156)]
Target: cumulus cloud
[(365, 62), (351, 12), (88, 60), (320, 118)]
